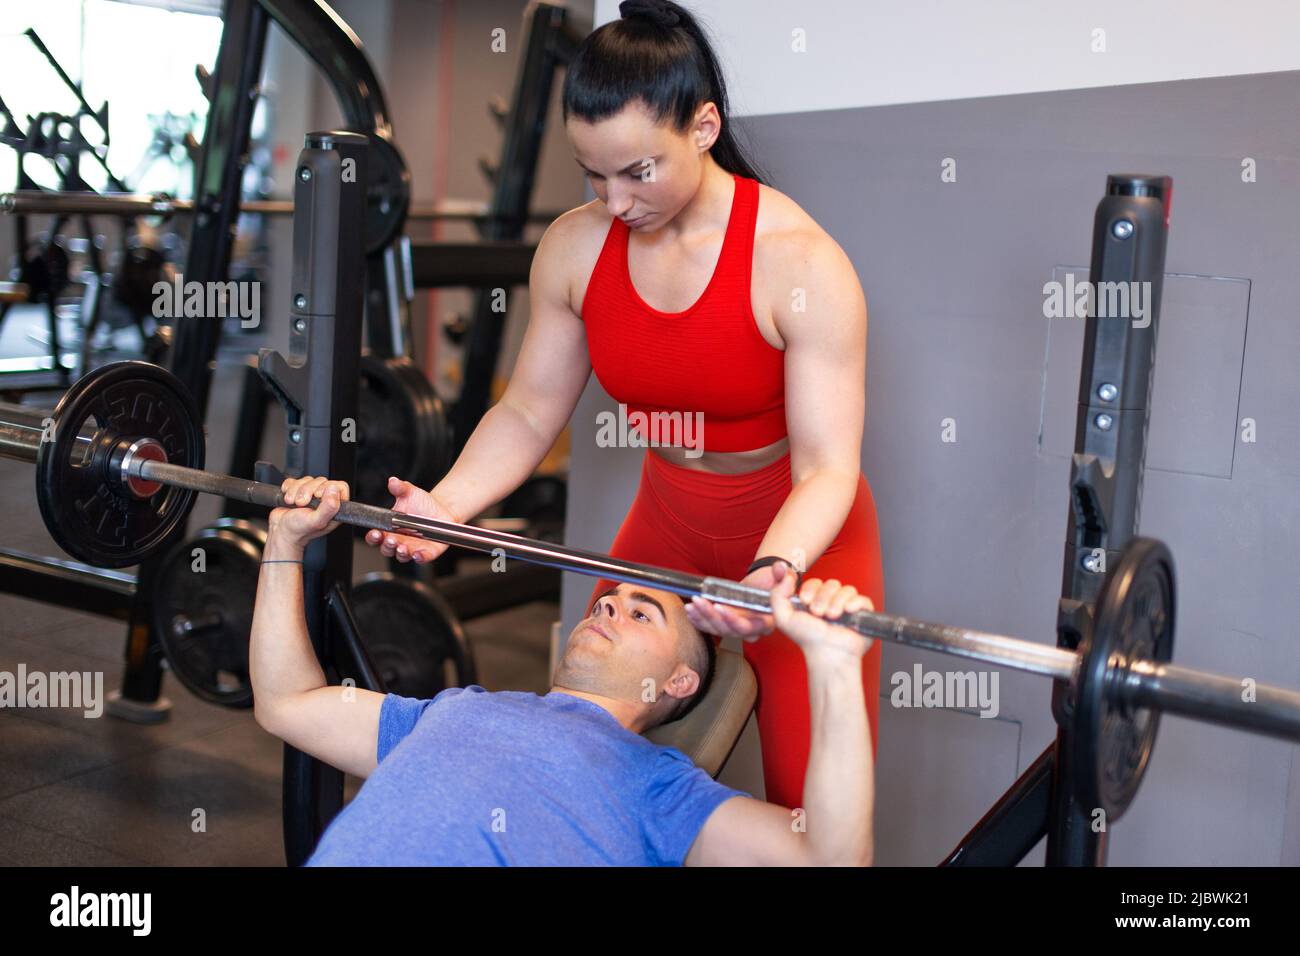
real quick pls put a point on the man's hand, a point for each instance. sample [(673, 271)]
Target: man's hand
[(295, 524), (412, 500), (826, 601)]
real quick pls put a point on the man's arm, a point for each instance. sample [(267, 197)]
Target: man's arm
[(338, 725), (834, 828)]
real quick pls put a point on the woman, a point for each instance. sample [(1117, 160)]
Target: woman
[(690, 286)]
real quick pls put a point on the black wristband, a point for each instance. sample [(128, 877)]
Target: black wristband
[(770, 559)]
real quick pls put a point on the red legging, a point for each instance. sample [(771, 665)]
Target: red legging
[(710, 524)]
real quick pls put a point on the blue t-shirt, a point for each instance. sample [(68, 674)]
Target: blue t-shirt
[(485, 779)]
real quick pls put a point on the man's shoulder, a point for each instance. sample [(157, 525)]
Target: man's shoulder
[(451, 692)]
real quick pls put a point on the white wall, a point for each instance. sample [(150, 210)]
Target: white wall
[(877, 52)]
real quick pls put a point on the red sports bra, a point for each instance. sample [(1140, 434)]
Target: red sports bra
[(710, 358)]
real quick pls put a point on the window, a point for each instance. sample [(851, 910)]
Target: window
[(140, 58)]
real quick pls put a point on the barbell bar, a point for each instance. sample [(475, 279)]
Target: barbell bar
[(1145, 683), (138, 467), (990, 648), (112, 492), (33, 202)]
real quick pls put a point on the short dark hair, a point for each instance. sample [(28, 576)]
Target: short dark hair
[(705, 664)]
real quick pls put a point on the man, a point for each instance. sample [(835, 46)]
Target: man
[(480, 778)]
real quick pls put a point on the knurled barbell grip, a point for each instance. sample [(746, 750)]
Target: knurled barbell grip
[(350, 512), (1011, 652), (252, 492)]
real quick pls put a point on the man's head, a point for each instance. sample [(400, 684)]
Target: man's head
[(638, 646)]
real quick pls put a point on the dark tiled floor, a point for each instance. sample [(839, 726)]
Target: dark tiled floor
[(77, 791)]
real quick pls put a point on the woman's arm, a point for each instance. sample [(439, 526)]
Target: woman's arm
[(515, 434), (549, 375), (821, 313)]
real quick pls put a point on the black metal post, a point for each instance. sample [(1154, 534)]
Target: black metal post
[(1128, 259), (318, 385), (250, 425), (546, 48), (1130, 229), (219, 176)]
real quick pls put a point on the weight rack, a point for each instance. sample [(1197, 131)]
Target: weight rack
[(1130, 232)]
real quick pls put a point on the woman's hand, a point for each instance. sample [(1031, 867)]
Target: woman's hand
[(412, 500), (295, 524), (726, 621)]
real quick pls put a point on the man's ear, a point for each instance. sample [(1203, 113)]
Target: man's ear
[(684, 681)]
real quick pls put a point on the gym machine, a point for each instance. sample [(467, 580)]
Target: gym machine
[(232, 91), (1130, 230), (126, 435)]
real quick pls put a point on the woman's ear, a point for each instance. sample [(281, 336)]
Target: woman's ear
[(707, 126)]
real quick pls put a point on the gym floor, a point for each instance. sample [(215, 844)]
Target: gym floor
[(96, 792)]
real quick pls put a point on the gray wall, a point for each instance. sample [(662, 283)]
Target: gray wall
[(972, 531)]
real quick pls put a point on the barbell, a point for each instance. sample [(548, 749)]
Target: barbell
[(119, 462), (30, 202)]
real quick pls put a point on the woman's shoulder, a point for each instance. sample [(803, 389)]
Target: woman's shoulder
[(786, 233), (570, 247), (575, 237), (582, 226)]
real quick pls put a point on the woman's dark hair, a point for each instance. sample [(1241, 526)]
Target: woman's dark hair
[(656, 53)]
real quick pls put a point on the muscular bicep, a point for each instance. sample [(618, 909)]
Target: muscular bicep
[(823, 320), (553, 366), (336, 725), (746, 832)]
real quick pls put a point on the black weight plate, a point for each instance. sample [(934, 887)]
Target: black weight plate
[(398, 417), (89, 516), (388, 193), (541, 501), (251, 529), (1134, 620), (216, 599), (434, 447), (412, 636)]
